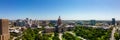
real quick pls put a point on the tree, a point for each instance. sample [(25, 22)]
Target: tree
[(117, 36), (56, 36), (68, 36), (30, 34), (88, 32)]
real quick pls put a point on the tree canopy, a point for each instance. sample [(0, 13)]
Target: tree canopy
[(92, 33)]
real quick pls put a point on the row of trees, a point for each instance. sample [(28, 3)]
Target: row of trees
[(92, 33), (117, 36)]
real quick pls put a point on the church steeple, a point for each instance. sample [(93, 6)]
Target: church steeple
[(59, 22)]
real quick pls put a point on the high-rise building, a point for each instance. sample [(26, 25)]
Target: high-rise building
[(27, 19), (4, 29), (59, 22), (93, 22), (20, 23), (28, 22), (113, 21), (79, 22)]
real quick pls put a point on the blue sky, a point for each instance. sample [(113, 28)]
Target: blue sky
[(67, 9)]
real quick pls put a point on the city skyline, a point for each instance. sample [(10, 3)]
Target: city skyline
[(67, 9)]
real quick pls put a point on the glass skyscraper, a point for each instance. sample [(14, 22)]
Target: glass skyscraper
[(92, 22), (113, 21)]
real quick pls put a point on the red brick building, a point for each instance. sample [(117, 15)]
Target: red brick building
[(4, 29)]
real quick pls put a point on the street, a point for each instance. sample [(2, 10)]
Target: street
[(112, 34)]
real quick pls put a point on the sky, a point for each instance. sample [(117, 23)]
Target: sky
[(67, 9)]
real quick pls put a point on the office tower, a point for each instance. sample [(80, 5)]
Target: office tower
[(27, 19), (4, 29), (93, 22), (20, 23), (59, 22), (79, 22), (17, 22), (28, 22), (113, 21)]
